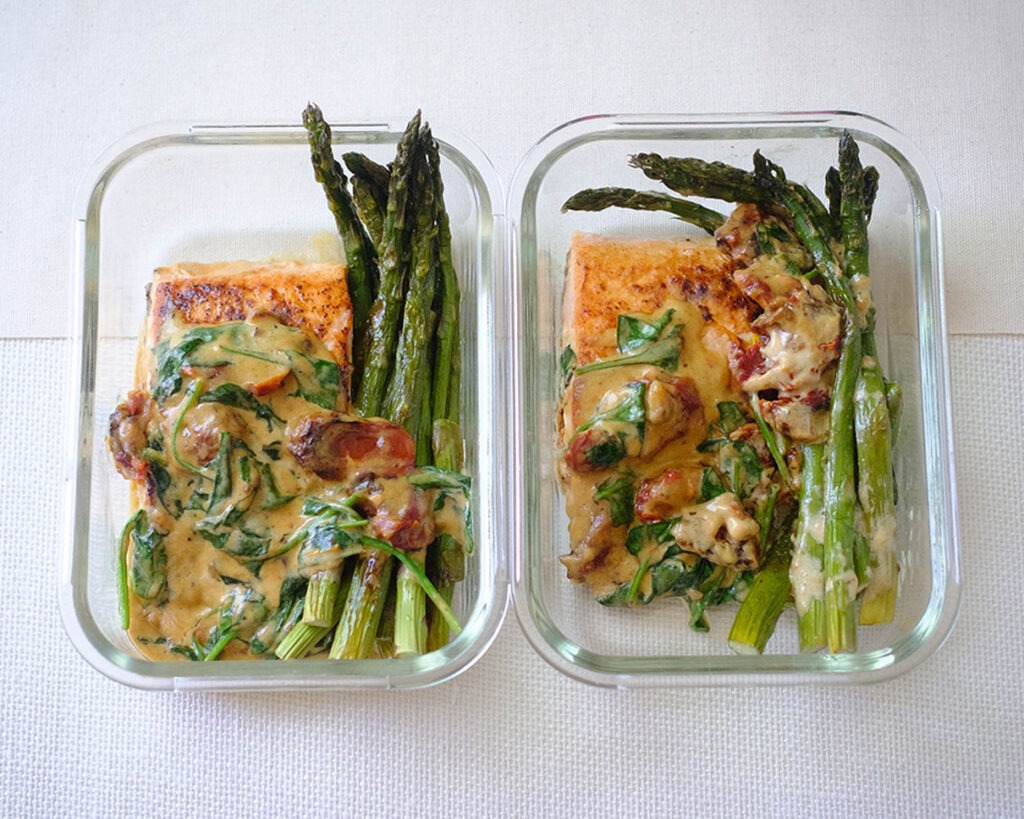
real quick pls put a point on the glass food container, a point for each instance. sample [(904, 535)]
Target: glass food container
[(653, 645), (178, 192)]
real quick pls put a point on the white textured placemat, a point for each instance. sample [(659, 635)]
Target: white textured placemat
[(512, 737), (77, 76)]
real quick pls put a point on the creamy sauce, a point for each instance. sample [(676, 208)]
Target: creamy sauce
[(807, 579), (816, 526), (199, 575), (719, 530), (847, 579), (223, 547), (601, 559), (861, 286)]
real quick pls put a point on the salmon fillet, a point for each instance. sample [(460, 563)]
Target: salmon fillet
[(607, 277), (309, 296)]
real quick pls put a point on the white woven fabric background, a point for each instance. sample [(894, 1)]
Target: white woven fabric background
[(511, 736)]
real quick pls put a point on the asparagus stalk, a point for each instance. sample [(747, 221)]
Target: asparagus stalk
[(417, 570), (894, 401), (360, 255), (825, 225), (302, 636), (805, 571), (446, 556), (695, 177), (321, 597), (593, 199), (875, 486), (406, 388), (357, 629), (369, 192), (298, 642), (446, 564), (410, 615), (377, 176), (407, 400), (759, 612), (876, 495), (410, 606), (870, 190), (834, 195), (840, 497), (371, 215), (384, 643), (385, 315), (446, 385)]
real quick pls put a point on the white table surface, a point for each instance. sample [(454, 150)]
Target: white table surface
[(512, 736)]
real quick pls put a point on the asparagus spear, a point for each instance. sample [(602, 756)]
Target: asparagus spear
[(834, 195), (371, 215), (600, 198), (369, 192), (321, 597), (377, 176), (826, 226), (360, 255), (424, 423), (755, 621), (357, 629), (806, 570), (875, 487), (410, 614), (300, 640), (695, 177), (446, 557), (407, 399), (870, 190), (446, 565), (840, 492), (406, 388), (384, 642), (875, 492), (385, 315), (446, 385)]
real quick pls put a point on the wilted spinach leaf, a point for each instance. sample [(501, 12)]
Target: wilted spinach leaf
[(567, 364), (711, 485), (619, 491), (633, 332), (232, 395), (170, 360), (647, 533), (149, 559)]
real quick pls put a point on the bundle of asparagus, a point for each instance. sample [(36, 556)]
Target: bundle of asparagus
[(406, 363), (846, 480)]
